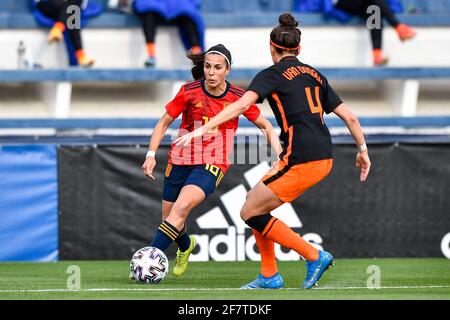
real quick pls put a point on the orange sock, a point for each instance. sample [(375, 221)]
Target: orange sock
[(79, 54), (279, 232), (377, 53), (405, 32), (196, 50), (267, 250), (59, 26), (378, 57), (151, 49)]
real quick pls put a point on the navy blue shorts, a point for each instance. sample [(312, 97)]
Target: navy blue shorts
[(205, 176)]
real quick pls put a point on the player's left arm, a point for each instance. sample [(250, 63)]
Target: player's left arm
[(232, 111), (353, 125), (333, 103), (269, 133)]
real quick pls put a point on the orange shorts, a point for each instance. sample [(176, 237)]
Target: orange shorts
[(289, 182)]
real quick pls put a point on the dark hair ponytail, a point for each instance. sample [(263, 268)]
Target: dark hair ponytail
[(286, 36), (197, 70)]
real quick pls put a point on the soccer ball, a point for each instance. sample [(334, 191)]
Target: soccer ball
[(149, 265)]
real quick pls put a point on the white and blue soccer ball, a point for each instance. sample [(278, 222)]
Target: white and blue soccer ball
[(149, 265)]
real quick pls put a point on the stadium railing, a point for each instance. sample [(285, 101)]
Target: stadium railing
[(401, 84), (137, 130)]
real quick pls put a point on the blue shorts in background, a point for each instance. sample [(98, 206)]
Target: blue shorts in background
[(205, 176)]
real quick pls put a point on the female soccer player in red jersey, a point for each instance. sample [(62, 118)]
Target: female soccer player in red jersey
[(298, 95), (193, 173)]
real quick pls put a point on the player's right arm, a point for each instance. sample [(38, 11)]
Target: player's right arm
[(157, 136), (173, 109), (362, 157)]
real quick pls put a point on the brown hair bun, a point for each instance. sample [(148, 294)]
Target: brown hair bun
[(287, 21)]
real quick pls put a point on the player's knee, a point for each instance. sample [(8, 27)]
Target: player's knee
[(249, 195), (182, 209), (245, 214)]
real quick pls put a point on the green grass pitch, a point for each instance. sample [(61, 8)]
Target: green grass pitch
[(399, 279)]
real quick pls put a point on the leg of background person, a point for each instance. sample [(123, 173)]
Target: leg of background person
[(353, 7), (83, 59), (189, 27), (360, 8), (404, 32), (171, 228), (52, 9), (386, 12), (59, 12), (150, 23), (261, 200), (377, 37), (379, 59), (49, 8), (75, 37), (149, 26)]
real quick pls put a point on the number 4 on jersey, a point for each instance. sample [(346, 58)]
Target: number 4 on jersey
[(315, 108)]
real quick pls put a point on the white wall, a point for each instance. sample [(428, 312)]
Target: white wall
[(337, 47), (321, 46), (330, 47)]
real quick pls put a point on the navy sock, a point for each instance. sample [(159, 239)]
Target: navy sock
[(164, 236), (183, 240)]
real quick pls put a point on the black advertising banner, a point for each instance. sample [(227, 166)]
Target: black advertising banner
[(108, 209)]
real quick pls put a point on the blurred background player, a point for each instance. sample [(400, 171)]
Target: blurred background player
[(58, 11), (298, 95), (343, 10), (359, 7), (193, 174), (183, 13)]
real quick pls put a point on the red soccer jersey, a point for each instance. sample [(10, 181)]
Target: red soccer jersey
[(198, 106)]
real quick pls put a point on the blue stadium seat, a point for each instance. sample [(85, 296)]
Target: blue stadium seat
[(233, 13), (14, 6), (239, 6), (435, 6), (215, 6)]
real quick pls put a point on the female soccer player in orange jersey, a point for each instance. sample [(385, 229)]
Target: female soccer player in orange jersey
[(298, 95), (193, 173)]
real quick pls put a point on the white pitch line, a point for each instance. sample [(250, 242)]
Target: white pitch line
[(207, 289), (391, 287)]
